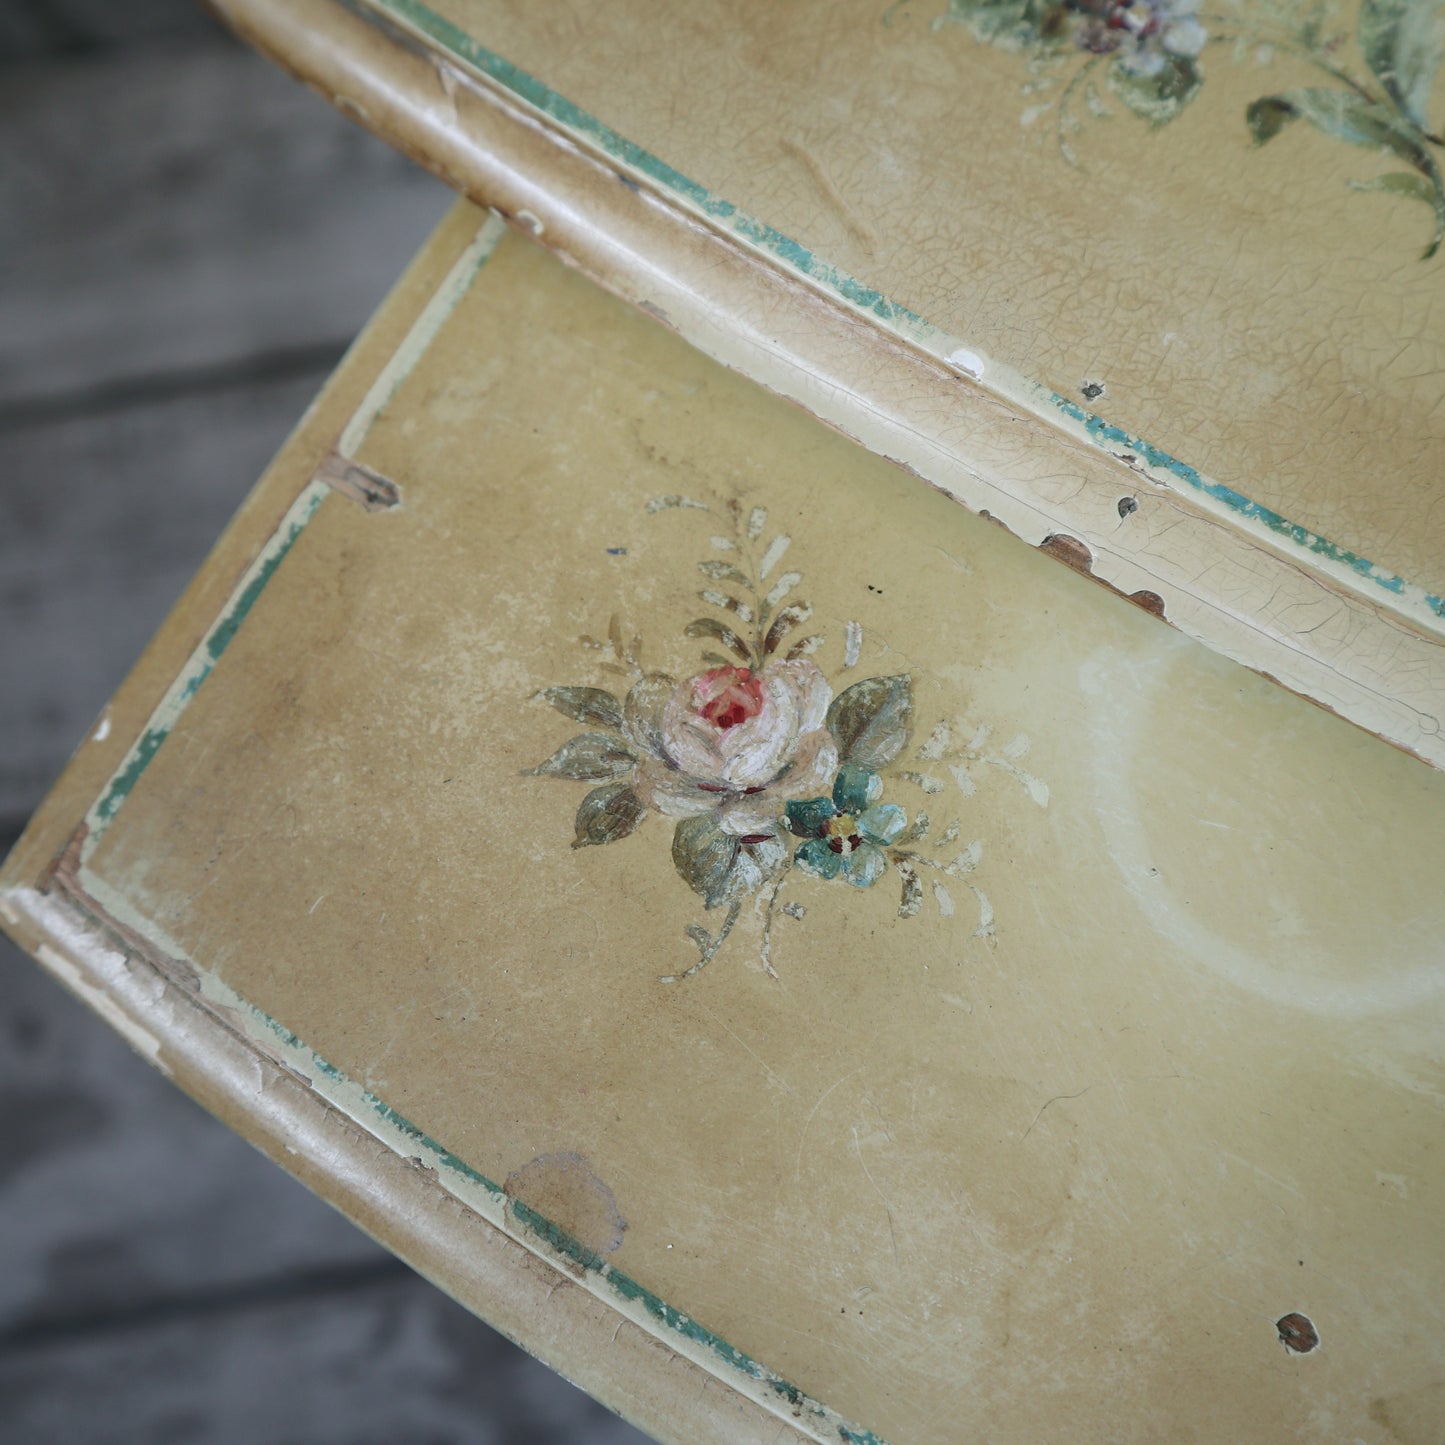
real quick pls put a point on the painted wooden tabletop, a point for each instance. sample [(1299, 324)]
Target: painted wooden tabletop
[(1086, 1087)]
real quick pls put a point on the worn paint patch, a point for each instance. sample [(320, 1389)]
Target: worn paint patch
[(564, 1189)]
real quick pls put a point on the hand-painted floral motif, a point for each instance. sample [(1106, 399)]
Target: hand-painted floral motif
[(763, 767), (1148, 52), (847, 831)]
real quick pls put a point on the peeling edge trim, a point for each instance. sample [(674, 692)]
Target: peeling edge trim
[(1154, 463), (101, 907)]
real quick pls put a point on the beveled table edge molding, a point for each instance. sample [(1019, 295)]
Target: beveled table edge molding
[(398, 1200), (1298, 617)]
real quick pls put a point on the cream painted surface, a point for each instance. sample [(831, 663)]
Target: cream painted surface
[(1056, 1181), (1247, 311)]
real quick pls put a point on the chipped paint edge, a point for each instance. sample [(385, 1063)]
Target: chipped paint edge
[(1152, 462)]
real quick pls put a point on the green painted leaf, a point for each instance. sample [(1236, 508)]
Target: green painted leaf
[(1348, 117), (1399, 183), (726, 602), (1017, 24), (662, 504), (1415, 188), (790, 617), (721, 867), (1342, 115), (912, 899), (724, 572), (642, 712), (1403, 42), (589, 757), (711, 627), (871, 721), (1157, 98), (586, 704), (607, 814)]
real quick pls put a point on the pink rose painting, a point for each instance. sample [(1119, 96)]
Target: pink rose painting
[(761, 766)]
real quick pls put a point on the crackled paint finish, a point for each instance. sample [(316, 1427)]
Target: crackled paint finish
[(1156, 461)]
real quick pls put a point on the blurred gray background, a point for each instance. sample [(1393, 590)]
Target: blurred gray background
[(188, 241)]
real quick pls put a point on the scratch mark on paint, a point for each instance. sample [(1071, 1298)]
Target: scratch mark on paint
[(1058, 1098)]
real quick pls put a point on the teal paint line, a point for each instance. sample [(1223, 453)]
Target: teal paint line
[(220, 637), (867, 298), (623, 1285), (1105, 435)]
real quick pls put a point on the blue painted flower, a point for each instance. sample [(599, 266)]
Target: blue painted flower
[(846, 834)]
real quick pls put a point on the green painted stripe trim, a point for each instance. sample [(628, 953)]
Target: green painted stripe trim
[(223, 631), (623, 1285), (203, 661), (527, 87)]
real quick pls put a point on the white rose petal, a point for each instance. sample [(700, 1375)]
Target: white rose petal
[(1185, 38)]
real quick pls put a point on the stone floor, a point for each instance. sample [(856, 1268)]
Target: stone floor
[(187, 242)]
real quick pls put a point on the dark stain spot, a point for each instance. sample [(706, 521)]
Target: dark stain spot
[(563, 1189), (628, 181), (1069, 550), (877, 590), (1297, 1333), (1128, 506), (617, 551), (1092, 390)]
